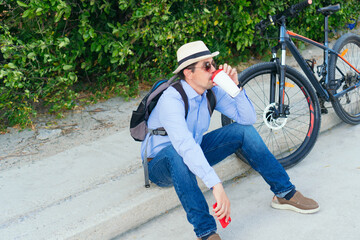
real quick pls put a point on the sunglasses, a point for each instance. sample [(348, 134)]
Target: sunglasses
[(207, 66)]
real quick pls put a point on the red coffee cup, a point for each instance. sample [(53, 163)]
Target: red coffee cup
[(225, 82)]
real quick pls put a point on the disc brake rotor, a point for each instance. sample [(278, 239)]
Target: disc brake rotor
[(270, 121)]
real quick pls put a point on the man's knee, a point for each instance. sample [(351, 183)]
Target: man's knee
[(242, 131), (176, 162), (249, 136)]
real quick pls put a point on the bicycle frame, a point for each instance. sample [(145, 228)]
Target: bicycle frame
[(286, 41)]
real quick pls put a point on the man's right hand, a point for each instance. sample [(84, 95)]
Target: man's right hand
[(223, 203)]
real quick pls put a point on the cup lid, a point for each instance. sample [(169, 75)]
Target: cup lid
[(215, 73)]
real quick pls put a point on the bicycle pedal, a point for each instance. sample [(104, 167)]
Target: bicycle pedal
[(324, 110)]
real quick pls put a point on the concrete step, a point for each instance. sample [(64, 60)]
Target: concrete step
[(93, 191)]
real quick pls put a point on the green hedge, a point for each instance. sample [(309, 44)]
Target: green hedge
[(54, 50)]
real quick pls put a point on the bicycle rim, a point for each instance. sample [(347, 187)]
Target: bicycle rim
[(344, 77), (289, 139)]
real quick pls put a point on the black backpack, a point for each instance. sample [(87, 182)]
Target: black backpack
[(139, 117)]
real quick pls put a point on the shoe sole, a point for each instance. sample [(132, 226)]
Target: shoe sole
[(293, 208)]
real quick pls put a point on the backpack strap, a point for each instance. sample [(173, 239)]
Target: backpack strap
[(177, 85), (210, 95)]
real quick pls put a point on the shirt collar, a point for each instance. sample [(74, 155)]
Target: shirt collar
[(190, 92)]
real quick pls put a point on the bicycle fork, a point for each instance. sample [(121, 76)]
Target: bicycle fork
[(281, 110)]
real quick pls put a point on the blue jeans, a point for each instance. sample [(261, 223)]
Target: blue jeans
[(168, 169)]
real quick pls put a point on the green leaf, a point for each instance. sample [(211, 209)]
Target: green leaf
[(86, 36), (115, 52), (114, 60), (27, 93), (11, 65), (21, 4), (93, 47), (58, 15), (64, 43), (238, 45), (31, 55), (115, 31), (67, 67), (26, 13), (91, 33)]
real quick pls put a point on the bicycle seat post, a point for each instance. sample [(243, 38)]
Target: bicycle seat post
[(326, 27)]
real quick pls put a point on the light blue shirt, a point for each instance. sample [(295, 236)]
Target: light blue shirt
[(186, 134)]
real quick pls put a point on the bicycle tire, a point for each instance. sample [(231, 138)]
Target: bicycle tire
[(295, 139), (342, 76)]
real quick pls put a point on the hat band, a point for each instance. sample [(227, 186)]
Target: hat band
[(195, 55)]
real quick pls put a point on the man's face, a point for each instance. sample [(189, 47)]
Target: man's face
[(200, 79)]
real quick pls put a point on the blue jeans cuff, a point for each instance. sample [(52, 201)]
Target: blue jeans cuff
[(207, 232), (283, 194)]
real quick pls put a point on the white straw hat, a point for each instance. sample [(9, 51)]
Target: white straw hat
[(191, 53)]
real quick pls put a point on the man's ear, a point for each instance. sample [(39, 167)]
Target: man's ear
[(187, 73)]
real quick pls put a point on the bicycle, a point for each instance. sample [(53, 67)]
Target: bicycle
[(288, 104)]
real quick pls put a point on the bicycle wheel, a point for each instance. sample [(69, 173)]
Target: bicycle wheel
[(288, 138), (342, 77)]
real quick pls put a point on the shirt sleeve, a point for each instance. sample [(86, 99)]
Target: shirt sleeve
[(172, 118), (239, 109)]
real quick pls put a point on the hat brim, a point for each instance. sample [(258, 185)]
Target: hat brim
[(194, 60)]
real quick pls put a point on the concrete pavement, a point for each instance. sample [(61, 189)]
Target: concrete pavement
[(93, 191)]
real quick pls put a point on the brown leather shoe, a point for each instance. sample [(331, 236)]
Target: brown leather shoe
[(297, 203), (215, 236)]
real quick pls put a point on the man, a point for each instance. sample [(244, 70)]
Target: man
[(176, 159)]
